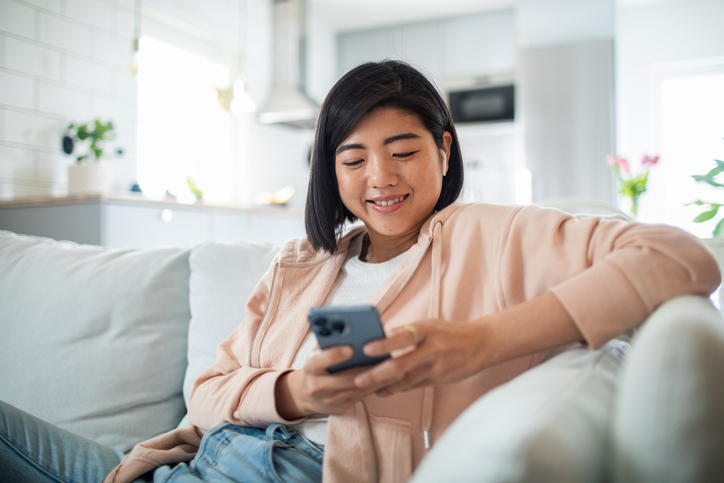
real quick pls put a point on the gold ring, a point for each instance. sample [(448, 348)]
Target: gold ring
[(412, 330)]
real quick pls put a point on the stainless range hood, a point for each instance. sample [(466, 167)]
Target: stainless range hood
[(288, 103)]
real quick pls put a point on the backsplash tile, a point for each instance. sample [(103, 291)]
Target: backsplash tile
[(61, 61), (59, 33), (91, 12), (16, 91), (27, 57), (32, 131), (17, 19)]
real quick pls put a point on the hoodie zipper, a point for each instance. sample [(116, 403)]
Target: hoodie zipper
[(419, 262), (263, 316)]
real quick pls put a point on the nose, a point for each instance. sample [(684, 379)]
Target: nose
[(381, 171)]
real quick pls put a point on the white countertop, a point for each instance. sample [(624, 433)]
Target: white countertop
[(139, 199)]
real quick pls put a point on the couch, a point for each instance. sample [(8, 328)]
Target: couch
[(106, 343)]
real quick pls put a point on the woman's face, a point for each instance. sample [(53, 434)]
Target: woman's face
[(389, 171)]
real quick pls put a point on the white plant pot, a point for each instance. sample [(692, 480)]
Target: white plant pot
[(90, 178)]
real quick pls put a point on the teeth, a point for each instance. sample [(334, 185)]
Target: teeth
[(390, 202)]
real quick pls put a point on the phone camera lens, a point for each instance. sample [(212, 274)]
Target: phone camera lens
[(325, 332), (321, 322), (338, 326)]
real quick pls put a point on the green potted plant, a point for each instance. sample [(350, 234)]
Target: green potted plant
[(91, 173), (711, 209)]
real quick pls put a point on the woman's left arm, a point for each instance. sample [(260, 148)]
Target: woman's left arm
[(452, 351), (563, 280)]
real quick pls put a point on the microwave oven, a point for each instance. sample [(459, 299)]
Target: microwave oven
[(483, 104)]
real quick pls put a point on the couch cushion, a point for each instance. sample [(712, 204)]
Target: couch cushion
[(546, 425), (668, 420), (94, 339), (223, 275), (716, 247)]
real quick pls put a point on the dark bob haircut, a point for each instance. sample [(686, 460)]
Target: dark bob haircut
[(366, 87)]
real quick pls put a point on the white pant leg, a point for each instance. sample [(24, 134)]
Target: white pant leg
[(669, 415)]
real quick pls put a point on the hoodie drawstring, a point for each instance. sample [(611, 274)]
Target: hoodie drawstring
[(434, 313)]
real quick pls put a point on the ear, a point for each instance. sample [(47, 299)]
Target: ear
[(445, 151)]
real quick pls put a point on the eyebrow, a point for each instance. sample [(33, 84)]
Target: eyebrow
[(387, 141)]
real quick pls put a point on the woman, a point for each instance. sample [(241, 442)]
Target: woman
[(470, 296)]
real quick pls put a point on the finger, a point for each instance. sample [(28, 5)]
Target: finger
[(321, 360), (391, 371), (401, 339)]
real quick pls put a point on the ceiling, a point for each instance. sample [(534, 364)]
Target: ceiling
[(347, 15)]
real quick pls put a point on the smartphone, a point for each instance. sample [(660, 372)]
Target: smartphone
[(353, 325)]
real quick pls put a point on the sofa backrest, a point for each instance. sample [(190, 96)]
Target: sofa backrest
[(94, 339), (107, 343), (223, 276)]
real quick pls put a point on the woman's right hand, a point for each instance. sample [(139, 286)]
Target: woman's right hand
[(313, 389)]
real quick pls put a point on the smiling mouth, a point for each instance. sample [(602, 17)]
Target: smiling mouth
[(390, 202)]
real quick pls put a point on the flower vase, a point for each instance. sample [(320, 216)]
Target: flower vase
[(90, 177), (629, 206)]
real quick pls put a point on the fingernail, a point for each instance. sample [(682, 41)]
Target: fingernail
[(359, 381), (346, 351)]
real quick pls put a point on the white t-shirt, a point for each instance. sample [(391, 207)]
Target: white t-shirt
[(356, 282)]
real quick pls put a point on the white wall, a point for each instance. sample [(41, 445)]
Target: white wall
[(647, 37), (61, 61)]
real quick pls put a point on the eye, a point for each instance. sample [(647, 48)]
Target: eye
[(404, 155), (352, 164)]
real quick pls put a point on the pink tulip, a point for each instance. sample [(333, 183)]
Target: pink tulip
[(618, 161), (622, 164), (649, 160)]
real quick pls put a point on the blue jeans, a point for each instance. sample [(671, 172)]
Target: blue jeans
[(231, 453), (32, 450)]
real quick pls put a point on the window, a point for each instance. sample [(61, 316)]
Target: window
[(691, 127), (182, 130)]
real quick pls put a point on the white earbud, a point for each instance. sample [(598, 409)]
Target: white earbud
[(444, 162)]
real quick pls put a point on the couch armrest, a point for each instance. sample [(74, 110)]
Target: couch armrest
[(716, 246)]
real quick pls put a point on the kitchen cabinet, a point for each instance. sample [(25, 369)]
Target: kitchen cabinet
[(478, 45), (358, 47), (451, 48), (566, 98), (422, 45), (126, 221)]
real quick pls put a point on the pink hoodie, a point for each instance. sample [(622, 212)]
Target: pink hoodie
[(470, 260)]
